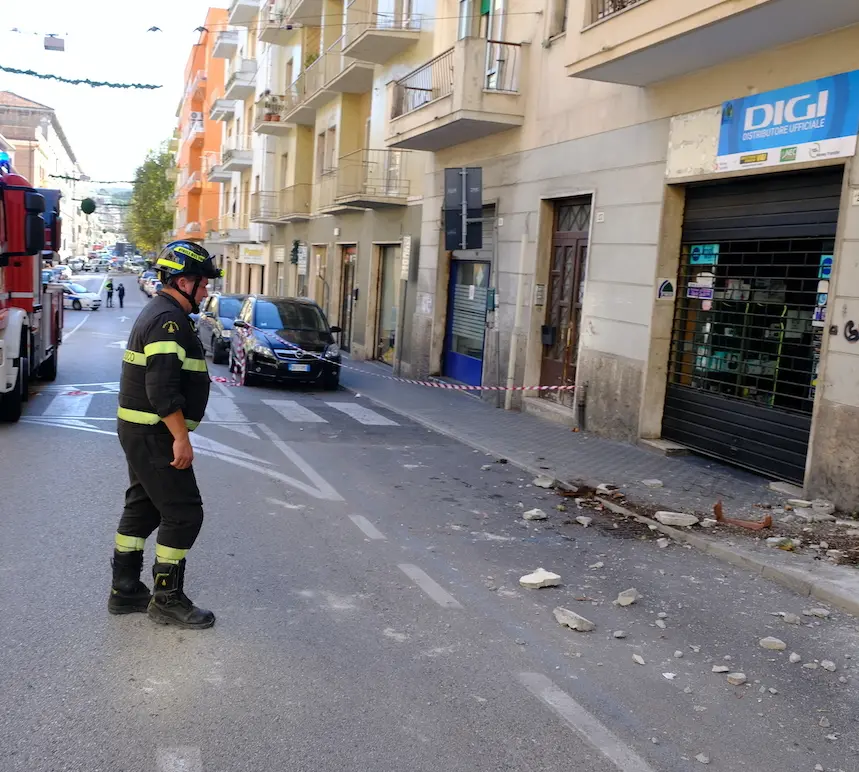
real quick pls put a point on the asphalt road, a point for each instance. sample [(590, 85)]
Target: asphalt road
[(364, 572)]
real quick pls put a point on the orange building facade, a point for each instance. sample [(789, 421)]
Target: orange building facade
[(199, 138)]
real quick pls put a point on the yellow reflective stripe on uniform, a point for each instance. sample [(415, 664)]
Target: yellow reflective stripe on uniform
[(134, 357), (148, 419), (129, 543), (164, 347), (137, 416), (195, 365), (170, 264), (168, 554)]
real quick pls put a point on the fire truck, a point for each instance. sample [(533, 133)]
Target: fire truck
[(31, 313)]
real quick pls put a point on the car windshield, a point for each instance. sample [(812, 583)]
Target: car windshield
[(229, 308), (77, 288), (287, 315)]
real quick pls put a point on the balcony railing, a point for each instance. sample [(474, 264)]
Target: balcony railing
[(277, 29), (380, 173), (238, 151), (197, 84), (270, 114), (190, 181), (362, 20), (195, 130), (265, 206), (295, 202), (436, 79), (602, 9), (193, 227)]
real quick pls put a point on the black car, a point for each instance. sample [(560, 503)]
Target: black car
[(285, 339), (215, 324)]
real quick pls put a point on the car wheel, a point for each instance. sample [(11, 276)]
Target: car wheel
[(48, 368), (76, 304), (331, 382), (11, 401), (219, 353)]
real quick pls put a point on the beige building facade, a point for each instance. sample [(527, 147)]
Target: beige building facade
[(689, 294)]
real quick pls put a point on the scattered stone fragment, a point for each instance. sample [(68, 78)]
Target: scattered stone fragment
[(660, 623), (737, 679), (773, 644), (619, 634), (540, 578), (677, 519), (822, 506), (794, 657), (663, 542), (824, 723), (782, 543), (486, 467), (772, 691), (810, 665), (703, 758), (791, 619), (606, 489), (543, 482), (662, 615), (709, 522), (799, 503), (678, 654), (654, 740), (819, 768), (835, 555), (829, 665), (627, 597), (721, 669), (822, 613), (560, 508), (832, 736), (652, 483), (638, 659), (727, 658), (695, 648), (573, 620), (669, 676), (584, 521), (535, 514), (687, 690), (596, 565)]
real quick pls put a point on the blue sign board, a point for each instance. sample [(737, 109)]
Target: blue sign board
[(807, 122), (704, 254)]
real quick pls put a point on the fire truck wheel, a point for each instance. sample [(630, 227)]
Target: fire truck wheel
[(24, 375), (11, 401), (48, 369)]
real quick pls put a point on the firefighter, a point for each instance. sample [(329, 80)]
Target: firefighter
[(163, 393)]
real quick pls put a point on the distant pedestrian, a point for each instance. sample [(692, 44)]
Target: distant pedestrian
[(109, 287), (120, 292)]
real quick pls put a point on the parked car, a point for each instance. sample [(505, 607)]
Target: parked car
[(78, 297), (152, 286), (215, 324), (63, 272), (285, 339), (142, 279)]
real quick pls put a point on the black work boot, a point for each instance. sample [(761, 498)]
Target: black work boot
[(127, 593), (170, 605)]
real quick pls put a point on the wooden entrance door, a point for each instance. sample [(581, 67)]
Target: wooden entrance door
[(566, 293)]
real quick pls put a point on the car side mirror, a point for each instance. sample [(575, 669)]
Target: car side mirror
[(239, 323), (336, 329), (208, 315)]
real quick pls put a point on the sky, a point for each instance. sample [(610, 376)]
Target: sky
[(109, 130)]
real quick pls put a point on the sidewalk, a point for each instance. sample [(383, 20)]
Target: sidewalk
[(690, 483)]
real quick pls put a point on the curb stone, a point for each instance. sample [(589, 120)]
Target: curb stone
[(799, 580)]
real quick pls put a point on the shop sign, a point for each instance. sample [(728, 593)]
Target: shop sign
[(406, 256), (806, 122), (251, 254), (704, 254), (700, 291), (665, 289), (302, 260)]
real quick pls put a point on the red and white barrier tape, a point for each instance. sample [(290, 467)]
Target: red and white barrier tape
[(241, 365)]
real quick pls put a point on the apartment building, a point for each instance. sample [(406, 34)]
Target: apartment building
[(197, 140)]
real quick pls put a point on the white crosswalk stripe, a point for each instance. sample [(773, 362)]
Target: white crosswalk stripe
[(69, 405), (362, 414), (224, 411), (293, 412)]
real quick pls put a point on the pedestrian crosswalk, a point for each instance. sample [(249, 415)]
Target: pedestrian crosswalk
[(96, 402)]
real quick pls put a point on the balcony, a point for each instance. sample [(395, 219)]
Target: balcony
[(237, 155), (270, 115), (468, 92), (378, 37), (277, 30), (366, 179), (228, 229), (643, 42), (295, 108), (194, 133), (265, 207), (214, 171), (226, 44), (172, 173), (193, 230), (333, 73), (223, 110), (191, 183), (242, 83), (243, 13), (307, 12), (197, 86), (173, 144), (294, 203)]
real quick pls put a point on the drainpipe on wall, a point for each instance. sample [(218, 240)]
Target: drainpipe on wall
[(517, 319)]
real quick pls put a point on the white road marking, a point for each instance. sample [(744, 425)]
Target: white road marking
[(429, 586), (292, 411), (222, 410), (71, 332), (576, 717), (285, 504), (370, 530), (68, 405), (183, 759), (117, 344), (114, 386), (323, 489), (225, 390), (362, 414)]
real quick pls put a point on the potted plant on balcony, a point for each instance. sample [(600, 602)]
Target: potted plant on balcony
[(310, 59)]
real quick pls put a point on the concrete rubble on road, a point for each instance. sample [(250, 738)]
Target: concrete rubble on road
[(663, 542), (791, 619), (543, 482), (821, 613), (676, 519), (703, 758), (540, 578), (584, 521), (736, 679), (638, 659), (794, 657), (720, 669), (535, 514), (573, 620), (627, 597), (652, 483), (771, 643), (619, 634), (829, 665)]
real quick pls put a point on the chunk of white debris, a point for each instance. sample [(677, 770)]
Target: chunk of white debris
[(709, 522), (720, 669), (584, 521), (535, 514), (823, 507), (540, 578), (773, 644), (662, 615), (652, 483), (627, 597), (791, 619), (486, 467), (737, 679), (678, 654), (799, 502), (543, 482), (660, 623), (663, 542), (794, 657), (703, 758), (572, 620), (606, 489), (810, 665), (669, 676), (619, 634), (824, 723), (638, 659), (772, 691), (596, 565), (822, 613), (677, 519), (819, 768), (829, 665)]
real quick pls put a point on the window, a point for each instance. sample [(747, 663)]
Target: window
[(230, 308), (284, 314), (320, 155), (558, 17)]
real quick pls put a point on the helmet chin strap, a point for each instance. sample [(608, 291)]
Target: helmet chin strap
[(195, 306)]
